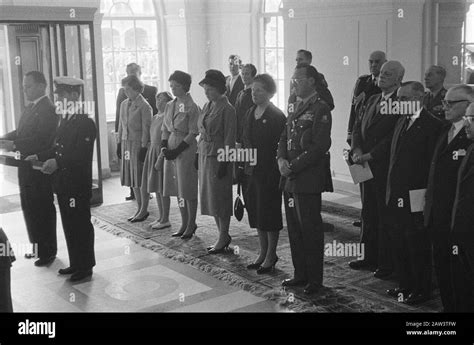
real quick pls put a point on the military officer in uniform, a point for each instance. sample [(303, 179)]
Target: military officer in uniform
[(304, 166), (70, 160), (434, 80)]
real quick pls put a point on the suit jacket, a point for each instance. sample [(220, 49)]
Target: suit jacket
[(35, 133), (217, 125), (373, 132), (305, 143), (243, 103), (410, 156), (462, 217), (7, 257), (442, 179), (265, 142), (135, 120), (322, 90), (149, 93), (434, 105), (363, 90), (238, 86), (73, 151)]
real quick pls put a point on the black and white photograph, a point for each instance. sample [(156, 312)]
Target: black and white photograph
[(203, 164)]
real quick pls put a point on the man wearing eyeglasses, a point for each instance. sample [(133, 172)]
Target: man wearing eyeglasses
[(462, 226), (449, 152)]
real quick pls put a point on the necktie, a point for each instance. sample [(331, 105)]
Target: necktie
[(451, 134)]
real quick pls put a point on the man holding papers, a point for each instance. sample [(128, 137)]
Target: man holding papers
[(449, 152), (35, 133), (411, 150), (371, 138)]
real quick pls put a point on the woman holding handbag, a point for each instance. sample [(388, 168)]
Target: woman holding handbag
[(261, 130)]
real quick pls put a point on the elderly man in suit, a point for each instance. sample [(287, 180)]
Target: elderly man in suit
[(304, 166), (411, 150), (34, 134), (462, 226), (434, 80), (371, 140), (149, 93), (450, 148), (365, 87), (306, 57), (234, 83)]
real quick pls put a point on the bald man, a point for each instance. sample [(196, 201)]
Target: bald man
[(434, 82), (411, 149), (462, 224), (450, 149), (371, 140), (365, 87)]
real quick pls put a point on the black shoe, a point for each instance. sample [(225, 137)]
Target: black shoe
[(263, 270), (220, 250), (44, 262), (69, 270), (417, 298), (254, 266), (187, 236), (30, 256), (395, 292), (361, 265), (130, 197), (80, 275), (382, 274), (293, 283), (357, 223), (178, 234), (311, 288), (141, 219), (131, 218)]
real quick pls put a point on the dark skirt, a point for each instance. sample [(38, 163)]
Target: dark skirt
[(262, 199)]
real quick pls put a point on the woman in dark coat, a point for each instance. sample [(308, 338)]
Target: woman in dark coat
[(261, 130)]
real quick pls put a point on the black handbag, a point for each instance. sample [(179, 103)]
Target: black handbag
[(238, 205)]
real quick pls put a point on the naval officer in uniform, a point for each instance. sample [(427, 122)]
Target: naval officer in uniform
[(304, 165), (70, 160)]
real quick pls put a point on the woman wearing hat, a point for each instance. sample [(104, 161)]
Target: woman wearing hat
[(179, 147), (152, 178), (261, 130), (134, 139), (217, 125)]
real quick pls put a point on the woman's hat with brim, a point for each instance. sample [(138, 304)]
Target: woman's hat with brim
[(213, 78)]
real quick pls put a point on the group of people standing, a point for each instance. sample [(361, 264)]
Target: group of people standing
[(417, 210), (160, 153)]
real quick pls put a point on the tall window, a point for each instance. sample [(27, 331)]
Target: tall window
[(468, 45), (129, 34), (272, 47)]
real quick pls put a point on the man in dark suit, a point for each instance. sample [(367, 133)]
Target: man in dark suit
[(305, 57), (434, 80), (70, 159), (35, 133), (462, 226), (6, 259), (365, 87), (371, 140), (450, 148), (149, 93), (234, 83), (411, 149), (302, 160)]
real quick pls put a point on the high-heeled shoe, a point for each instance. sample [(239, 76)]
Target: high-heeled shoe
[(132, 217), (254, 266), (178, 234), (263, 270), (141, 219), (187, 236), (214, 250)]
